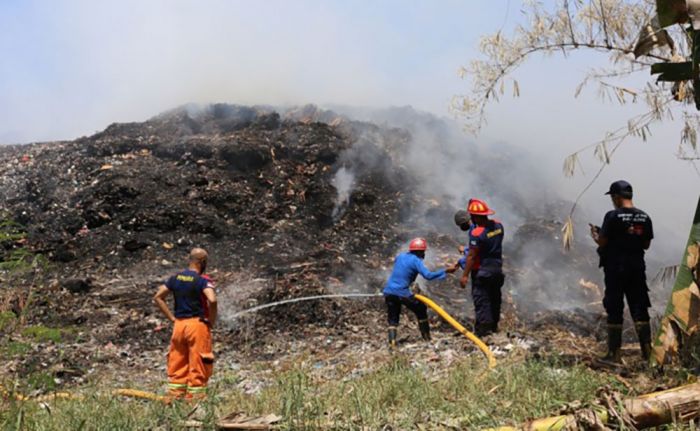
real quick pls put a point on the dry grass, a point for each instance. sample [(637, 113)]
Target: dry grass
[(397, 395)]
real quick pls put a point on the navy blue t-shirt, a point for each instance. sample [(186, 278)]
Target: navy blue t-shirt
[(628, 230), (489, 241), (188, 287)]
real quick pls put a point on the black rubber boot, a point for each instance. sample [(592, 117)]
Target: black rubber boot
[(392, 338), (494, 327), (614, 343), (424, 327), (644, 335), (483, 329)]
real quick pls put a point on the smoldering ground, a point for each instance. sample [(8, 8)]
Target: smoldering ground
[(90, 64), (447, 168)]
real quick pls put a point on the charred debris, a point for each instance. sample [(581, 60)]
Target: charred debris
[(290, 203)]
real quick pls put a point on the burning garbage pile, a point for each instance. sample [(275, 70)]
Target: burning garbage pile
[(260, 188), (272, 196), (306, 200)]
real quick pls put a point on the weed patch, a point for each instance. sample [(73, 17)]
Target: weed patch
[(7, 320), (42, 333), (15, 348)]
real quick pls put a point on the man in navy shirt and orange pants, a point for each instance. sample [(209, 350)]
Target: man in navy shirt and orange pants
[(190, 359), (485, 266)]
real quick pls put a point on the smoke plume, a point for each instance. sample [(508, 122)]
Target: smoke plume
[(449, 168), (344, 182)]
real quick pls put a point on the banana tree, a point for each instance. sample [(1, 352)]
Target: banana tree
[(674, 12)]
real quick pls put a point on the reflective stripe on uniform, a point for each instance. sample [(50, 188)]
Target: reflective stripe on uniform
[(176, 386), (196, 389)]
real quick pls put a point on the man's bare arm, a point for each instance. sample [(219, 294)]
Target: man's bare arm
[(471, 258), (601, 241), (211, 298), (159, 299)]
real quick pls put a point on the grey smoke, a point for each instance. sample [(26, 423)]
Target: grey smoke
[(344, 183), (448, 167)]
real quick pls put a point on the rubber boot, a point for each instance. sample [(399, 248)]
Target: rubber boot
[(614, 344), (424, 327), (644, 335), (483, 329), (479, 330), (392, 338)]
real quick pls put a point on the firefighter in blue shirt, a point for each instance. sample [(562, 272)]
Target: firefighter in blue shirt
[(622, 241), (485, 266), (397, 291)]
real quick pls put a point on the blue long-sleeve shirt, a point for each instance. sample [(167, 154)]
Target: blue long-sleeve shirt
[(407, 266), (463, 260)]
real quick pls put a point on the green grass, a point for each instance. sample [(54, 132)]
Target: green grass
[(10, 231), (43, 333), (40, 381), (7, 320), (15, 348), (395, 396), (401, 396), (95, 412), (17, 259)]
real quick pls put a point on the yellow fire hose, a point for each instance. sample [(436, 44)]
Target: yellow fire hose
[(131, 393), (449, 319)]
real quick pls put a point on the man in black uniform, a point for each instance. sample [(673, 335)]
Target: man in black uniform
[(622, 240)]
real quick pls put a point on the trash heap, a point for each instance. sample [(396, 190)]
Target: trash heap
[(112, 214)]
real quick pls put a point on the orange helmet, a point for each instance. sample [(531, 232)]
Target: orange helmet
[(417, 244), (479, 207)]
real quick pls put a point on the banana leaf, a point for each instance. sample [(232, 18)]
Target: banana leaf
[(671, 12), (673, 72), (682, 317)]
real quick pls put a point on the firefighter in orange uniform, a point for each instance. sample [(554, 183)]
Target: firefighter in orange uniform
[(190, 359)]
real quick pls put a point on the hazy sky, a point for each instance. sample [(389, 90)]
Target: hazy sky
[(79, 65), (70, 68)]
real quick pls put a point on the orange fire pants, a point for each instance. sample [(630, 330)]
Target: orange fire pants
[(190, 360)]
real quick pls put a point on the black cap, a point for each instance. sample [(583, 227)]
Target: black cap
[(621, 188), (461, 217)]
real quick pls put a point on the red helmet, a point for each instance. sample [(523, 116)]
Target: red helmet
[(417, 244), (479, 207)]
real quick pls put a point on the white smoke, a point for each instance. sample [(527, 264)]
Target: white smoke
[(344, 183), (448, 168)]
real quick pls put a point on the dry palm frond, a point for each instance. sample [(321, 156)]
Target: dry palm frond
[(568, 233), (601, 152), (666, 275), (570, 164), (689, 134)]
